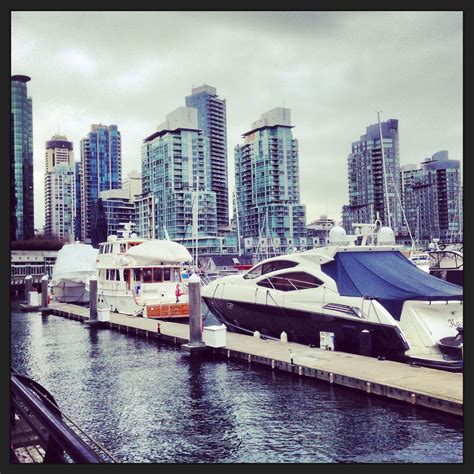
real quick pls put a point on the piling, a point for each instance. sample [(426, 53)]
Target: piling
[(93, 318), (196, 344), (365, 343), (28, 287), (44, 294)]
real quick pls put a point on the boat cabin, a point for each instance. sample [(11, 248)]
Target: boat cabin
[(134, 277), (117, 248)]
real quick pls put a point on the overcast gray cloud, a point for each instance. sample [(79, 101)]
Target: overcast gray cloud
[(332, 69)]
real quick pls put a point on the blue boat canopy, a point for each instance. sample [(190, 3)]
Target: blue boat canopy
[(388, 277)]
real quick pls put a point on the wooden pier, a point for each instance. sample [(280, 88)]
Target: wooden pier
[(419, 386)]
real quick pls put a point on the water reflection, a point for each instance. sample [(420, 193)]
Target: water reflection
[(147, 402)]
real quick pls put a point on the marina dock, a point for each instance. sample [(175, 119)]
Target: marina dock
[(419, 386)]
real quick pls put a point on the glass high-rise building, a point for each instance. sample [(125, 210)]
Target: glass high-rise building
[(212, 121), (118, 209), (21, 186), (432, 198), (78, 215), (101, 170), (60, 188), (270, 216), (368, 180), (176, 172)]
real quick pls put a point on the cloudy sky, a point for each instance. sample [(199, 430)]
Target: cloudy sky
[(334, 70)]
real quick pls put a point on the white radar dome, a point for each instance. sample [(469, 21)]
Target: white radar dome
[(385, 236), (338, 236)]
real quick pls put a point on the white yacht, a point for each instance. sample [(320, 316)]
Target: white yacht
[(446, 262), (74, 265), (344, 289), (420, 259), (143, 277)]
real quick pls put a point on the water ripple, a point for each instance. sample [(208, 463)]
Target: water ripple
[(148, 403)]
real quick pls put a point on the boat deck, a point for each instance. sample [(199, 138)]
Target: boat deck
[(435, 389)]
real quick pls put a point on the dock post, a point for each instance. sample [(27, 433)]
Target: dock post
[(365, 343), (28, 287), (93, 319), (44, 294), (196, 344)]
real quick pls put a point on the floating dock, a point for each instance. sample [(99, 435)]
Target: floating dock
[(419, 386)]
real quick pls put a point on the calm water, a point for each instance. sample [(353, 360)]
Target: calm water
[(147, 403)]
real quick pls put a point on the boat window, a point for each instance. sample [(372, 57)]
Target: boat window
[(177, 274), (253, 272), (157, 274), (266, 283), (117, 275), (277, 265), (136, 274), (107, 273), (291, 281), (269, 267), (122, 248), (126, 275), (166, 274), (101, 249), (147, 275)]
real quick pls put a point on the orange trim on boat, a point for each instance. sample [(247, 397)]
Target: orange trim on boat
[(175, 310)]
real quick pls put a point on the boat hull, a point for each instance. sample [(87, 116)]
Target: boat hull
[(124, 302), (67, 291), (305, 327)]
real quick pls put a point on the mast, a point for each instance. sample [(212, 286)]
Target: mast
[(196, 223), (460, 216), (267, 231), (237, 223), (384, 173)]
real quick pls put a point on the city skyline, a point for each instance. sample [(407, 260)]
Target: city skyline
[(318, 64)]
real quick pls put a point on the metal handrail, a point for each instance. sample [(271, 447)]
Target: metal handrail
[(64, 436)]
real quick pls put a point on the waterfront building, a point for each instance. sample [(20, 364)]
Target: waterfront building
[(371, 185), (118, 209), (21, 184), (101, 170), (432, 198), (60, 188), (176, 172), (212, 121), (132, 184), (78, 214), (12, 182), (270, 216), (318, 230), (145, 224), (35, 258)]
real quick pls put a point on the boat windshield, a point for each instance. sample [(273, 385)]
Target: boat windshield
[(269, 267), (445, 260)]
